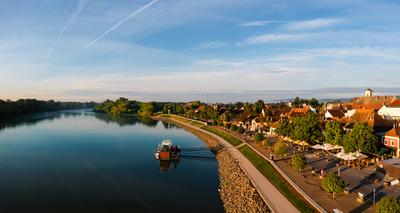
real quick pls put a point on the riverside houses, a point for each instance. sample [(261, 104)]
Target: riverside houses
[(391, 139)]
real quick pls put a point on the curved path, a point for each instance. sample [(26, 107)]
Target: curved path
[(274, 198)]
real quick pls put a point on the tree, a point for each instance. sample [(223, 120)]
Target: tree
[(233, 127), (267, 142), (146, 109), (280, 148), (334, 134), (284, 128), (240, 130), (313, 102), (258, 106), (333, 184), (308, 128), (361, 138), (298, 162), (224, 117), (258, 137), (388, 205)]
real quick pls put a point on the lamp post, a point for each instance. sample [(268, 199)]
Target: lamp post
[(374, 197)]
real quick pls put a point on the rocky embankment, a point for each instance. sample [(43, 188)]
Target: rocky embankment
[(237, 192)]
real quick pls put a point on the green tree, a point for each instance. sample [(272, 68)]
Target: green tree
[(258, 137), (258, 106), (284, 128), (308, 128), (146, 109), (313, 102), (280, 148), (388, 205), (267, 142), (361, 138), (224, 117), (240, 130), (333, 184), (298, 162), (334, 134)]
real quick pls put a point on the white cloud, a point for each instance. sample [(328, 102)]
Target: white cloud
[(259, 23), (212, 44), (268, 38), (311, 24)]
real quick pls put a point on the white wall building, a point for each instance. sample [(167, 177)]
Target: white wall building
[(390, 113)]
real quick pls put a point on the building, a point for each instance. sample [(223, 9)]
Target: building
[(391, 139), (333, 114), (370, 117), (390, 113), (368, 93)]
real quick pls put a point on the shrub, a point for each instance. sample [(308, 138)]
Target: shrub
[(233, 127), (258, 137), (227, 125), (240, 130)]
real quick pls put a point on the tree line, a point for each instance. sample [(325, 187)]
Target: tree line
[(10, 108), (309, 128), (123, 106)]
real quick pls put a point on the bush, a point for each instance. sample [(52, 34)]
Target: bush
[(220, 123), (332, 183), (233, 127), (258, 137), (240, 130), (227, 125), (298, 162), (388, 205)]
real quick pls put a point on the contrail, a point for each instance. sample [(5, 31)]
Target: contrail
[(120, 22), (79, 7)]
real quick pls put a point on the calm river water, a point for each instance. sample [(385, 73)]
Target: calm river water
[(78, 161)]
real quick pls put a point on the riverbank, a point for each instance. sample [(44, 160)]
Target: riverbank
[(236, 190)]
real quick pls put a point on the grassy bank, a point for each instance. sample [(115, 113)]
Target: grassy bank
[(231, 139), (270, 172), (185, 120)]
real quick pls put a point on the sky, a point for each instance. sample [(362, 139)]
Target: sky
[(211, 50)]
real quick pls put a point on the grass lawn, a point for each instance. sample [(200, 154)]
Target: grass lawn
[(183, 119), (269, 171), (231, 139)]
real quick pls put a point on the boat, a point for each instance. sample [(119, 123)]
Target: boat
[(167, 151)]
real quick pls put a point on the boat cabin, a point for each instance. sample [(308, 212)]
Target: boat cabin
[(167, 151)]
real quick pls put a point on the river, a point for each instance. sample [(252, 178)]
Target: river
[(79, 161)]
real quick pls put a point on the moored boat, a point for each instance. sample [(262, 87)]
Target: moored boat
[(167, 151)]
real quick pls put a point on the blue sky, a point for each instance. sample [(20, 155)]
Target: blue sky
[(182, 50)]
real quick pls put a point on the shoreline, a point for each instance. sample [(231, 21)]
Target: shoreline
[(237, 192)]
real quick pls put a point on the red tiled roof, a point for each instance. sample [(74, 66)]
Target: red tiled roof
[(395, 103), (394, 132)]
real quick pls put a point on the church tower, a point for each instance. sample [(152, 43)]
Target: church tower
[(368, 93)]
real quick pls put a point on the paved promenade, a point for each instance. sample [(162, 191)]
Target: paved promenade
[(274, 198)]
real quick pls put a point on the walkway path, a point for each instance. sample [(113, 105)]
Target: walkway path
[(274, 198)]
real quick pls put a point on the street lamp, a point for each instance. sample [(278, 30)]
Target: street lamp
[(374, 197)]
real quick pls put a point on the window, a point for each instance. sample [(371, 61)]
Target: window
[(392, 142), (386, 142)]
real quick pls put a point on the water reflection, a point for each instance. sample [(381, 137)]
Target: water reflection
[(30, 120), (166, 165)]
